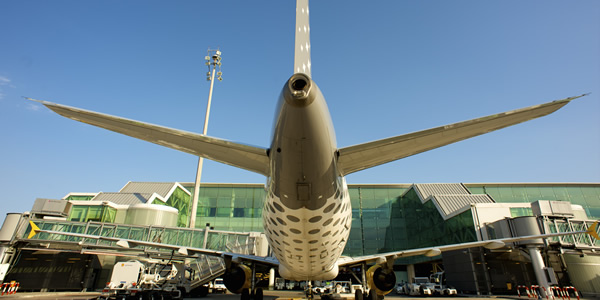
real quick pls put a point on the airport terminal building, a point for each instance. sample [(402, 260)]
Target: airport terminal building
[(385, 217)]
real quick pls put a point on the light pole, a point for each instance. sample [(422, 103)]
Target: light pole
[(213, 62)]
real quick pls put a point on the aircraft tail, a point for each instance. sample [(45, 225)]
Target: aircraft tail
[(302, 53)]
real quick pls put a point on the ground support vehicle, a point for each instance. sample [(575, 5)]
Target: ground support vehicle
[(337, 290), (279, 283), (418, 286), (218, 286), (437, 283), (147, 280), (400, 288)]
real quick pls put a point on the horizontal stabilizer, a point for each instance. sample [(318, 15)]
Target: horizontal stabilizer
[(251, 158), (367, 155)]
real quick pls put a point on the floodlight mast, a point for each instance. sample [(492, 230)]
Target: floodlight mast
[(213, 61)]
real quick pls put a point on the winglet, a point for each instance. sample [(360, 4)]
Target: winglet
[(34, 230), (592, 230)]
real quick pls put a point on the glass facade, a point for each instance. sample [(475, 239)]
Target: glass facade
[(230, 207), (520, 212), (94, 213), (383, 219), (182, 201)]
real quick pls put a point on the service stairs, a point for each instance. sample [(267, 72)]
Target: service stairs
[(206, 268)]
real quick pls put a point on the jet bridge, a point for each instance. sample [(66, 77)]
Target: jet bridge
[(202, 268)]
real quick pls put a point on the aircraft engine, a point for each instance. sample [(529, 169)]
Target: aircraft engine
[(380, 279), (237, 278)]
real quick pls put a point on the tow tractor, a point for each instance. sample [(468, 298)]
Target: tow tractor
[(418, 286), (334, 290), (437, 282)]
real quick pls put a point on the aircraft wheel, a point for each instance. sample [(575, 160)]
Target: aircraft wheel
[(373, 295), (358, 295)]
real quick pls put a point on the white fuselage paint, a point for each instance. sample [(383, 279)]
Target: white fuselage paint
[(307, 213)]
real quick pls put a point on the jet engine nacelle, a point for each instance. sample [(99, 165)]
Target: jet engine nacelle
[(237, 278), (381, 280)]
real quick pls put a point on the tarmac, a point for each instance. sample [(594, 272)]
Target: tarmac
[(268, 295)]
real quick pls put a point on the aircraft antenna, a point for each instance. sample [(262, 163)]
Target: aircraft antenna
[(213, 62)]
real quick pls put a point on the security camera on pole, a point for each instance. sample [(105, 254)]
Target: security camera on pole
[(213, 61)]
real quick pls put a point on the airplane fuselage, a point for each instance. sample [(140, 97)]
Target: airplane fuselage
[(307, 213)]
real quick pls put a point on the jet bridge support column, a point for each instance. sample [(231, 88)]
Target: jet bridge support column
[(410, 272), (272, 279), (526, 226), (538, 265)]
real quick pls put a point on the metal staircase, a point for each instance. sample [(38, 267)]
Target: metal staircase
[(206, 269)]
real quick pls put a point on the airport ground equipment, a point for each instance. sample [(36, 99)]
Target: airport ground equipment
[(437, 283), (218, 286), (338, 290), (146, 280), (418, 286), (153, 280)]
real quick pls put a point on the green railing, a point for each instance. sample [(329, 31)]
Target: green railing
[(215, 240), (566, 225)]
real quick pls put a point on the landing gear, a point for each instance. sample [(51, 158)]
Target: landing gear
[(358, 295), (367, 292), (309, 291), (373, 295)]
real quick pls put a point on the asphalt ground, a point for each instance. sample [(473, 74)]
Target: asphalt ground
[(268, 295)]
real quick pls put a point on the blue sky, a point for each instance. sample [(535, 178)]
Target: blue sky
[(385, 67)]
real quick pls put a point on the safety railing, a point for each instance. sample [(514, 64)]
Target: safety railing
[(554, 292), (565, 225), (206, 269), (215, 240)]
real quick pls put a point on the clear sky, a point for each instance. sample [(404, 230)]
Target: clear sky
[(385, 67)]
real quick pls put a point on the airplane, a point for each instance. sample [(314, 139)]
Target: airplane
[(307, 212)]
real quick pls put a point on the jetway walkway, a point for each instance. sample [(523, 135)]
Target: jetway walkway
[(205, 268)]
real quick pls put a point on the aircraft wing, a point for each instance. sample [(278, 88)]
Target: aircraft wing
[(434, 251), (181, 250), (359, 157), (242, 156)]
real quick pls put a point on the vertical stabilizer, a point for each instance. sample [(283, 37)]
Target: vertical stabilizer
[(302, 52)]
